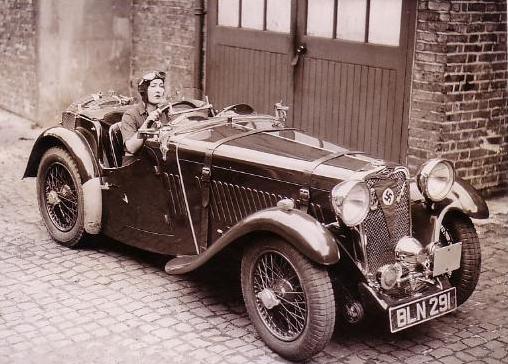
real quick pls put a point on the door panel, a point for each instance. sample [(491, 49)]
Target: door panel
[(352, 105), (246, 65), (249, 75), (354, 93), (135, 205), (145, 208)]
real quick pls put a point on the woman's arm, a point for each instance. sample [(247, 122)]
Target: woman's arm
[(133, 143)]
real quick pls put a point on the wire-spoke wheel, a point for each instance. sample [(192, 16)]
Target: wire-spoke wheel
[(280, 298), (459, 228), (60, 196), (289, 299)]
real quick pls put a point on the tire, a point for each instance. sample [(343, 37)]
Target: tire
[(305, 332), (60, 197), (458, 227)]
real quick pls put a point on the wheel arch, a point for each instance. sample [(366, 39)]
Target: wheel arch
[(467, 199), (71, 141), (427, 224), (299, 229), (76, 145)]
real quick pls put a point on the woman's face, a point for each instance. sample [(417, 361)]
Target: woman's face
[(155, 91)]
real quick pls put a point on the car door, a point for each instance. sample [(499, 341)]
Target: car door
[(139, 204)]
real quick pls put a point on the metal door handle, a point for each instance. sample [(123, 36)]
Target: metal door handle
[(300, 51)]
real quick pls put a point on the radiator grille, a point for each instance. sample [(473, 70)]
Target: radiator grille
[(382, 235)]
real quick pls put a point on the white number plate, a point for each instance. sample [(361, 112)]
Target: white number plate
[(421, 310)]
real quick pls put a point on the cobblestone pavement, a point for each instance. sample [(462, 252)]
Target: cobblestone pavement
[(108, 303)]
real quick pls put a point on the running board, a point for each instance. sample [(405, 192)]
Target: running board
[(182, 264), (187, 263)]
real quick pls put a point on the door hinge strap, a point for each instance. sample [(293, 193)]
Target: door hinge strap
[(205, 186), (206, 175), (303, 199)]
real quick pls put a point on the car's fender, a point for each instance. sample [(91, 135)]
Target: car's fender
[(92, 201), (427, 217), (73, 142), (301, 230)]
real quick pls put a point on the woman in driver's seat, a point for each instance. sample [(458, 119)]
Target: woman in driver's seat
[(143, 115)]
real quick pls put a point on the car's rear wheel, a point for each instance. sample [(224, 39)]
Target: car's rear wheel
[(289, 299), (60, 197), (459, 228)]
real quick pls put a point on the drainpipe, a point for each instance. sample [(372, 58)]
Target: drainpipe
[(199, 12)]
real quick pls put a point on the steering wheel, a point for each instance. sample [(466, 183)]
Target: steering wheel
[(239, 109), (188, 115), (150, 131), (188, 105)]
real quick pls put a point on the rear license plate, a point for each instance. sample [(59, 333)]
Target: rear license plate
[(422, 309)]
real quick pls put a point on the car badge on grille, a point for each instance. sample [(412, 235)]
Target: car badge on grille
[(388, 197)]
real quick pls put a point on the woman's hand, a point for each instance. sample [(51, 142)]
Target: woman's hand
[(152, 118)]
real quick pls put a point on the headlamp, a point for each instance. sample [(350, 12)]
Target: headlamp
[(388, 275), (435, 179), (351, 202)]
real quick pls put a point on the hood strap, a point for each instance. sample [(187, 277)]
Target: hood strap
[(206, 177), (309, 172)]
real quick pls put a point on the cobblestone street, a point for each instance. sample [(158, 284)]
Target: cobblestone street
[(108, 303)]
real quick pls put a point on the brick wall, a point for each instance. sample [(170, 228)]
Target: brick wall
[(164, 38), (459, 94), (18, 90)]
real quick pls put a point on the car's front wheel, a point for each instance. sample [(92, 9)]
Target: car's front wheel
[(60, 197), (459, 228), (289, 299)]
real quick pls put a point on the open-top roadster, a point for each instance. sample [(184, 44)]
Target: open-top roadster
[(323, 231)]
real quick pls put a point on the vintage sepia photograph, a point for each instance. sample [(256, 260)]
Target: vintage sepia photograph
[(253, 181)]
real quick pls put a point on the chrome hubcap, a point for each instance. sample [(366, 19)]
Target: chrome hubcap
[(52, 198), (268, 298)]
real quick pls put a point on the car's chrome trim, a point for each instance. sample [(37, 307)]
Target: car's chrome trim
[(362, 175), (186, 200), (363, 243), (437, 221)]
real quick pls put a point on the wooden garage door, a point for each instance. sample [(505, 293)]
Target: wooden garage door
[(349, 81)]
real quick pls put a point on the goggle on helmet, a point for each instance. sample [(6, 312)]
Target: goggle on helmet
[(145, 81)]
